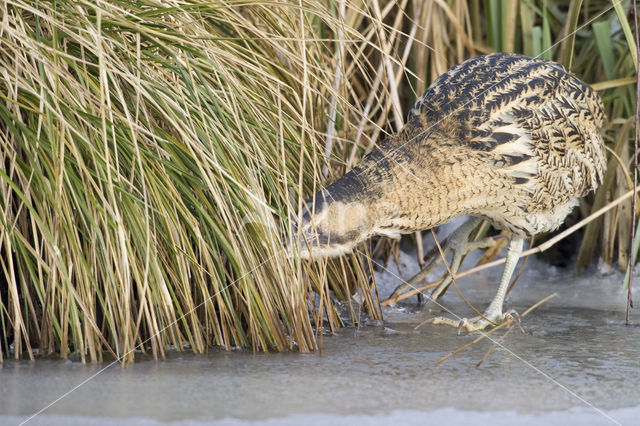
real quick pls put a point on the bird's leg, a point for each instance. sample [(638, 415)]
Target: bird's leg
[(461, 248), (493, 314), (458, 243)]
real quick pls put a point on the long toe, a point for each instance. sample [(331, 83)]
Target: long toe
[(478, 323), (470, 325)]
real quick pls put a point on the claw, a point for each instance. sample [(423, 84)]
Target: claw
[(513, 316)]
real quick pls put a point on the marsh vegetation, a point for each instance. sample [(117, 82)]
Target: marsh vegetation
[(153, 152)]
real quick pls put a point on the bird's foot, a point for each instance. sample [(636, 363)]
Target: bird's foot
[(480, 322)]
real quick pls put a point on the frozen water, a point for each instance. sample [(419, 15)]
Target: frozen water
[(576, 363)]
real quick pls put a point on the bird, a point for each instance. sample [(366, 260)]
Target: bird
[(503, 137)]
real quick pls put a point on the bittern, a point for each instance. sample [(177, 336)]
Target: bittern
[(503, 137)]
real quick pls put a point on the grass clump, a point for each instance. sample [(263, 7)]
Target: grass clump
[(147, 149)]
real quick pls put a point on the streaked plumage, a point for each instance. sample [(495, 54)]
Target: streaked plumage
[(504, 137)]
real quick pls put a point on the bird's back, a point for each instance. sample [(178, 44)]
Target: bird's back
[(525, 131)]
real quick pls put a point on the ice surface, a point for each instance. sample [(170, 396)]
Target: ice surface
[(575, 358)]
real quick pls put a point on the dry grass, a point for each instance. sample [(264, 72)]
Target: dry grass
[(150, 151)]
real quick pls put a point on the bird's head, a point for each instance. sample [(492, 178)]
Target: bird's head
[(328, 227)]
